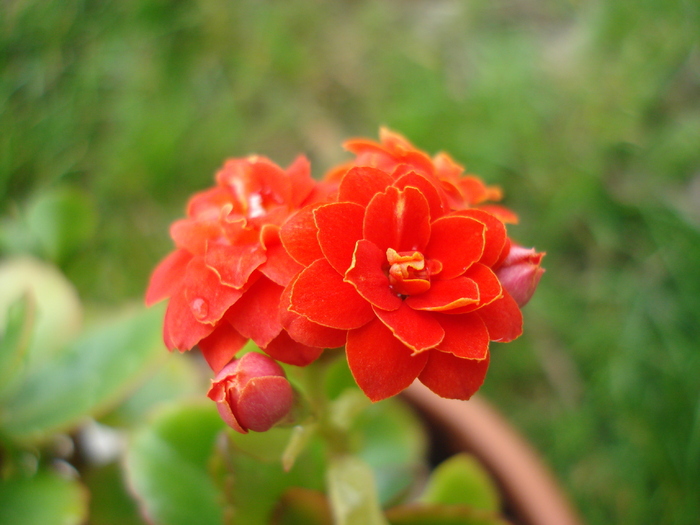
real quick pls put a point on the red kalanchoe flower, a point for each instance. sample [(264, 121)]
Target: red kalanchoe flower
[(394, 154), (405, 281), (227, 274), (252, 393), (520, 273)]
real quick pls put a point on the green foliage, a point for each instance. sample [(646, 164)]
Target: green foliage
[(46, 498), (586, 113)]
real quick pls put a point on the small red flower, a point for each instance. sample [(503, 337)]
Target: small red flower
[(520, 273), (252, 393), (229, 269), (403, 278)]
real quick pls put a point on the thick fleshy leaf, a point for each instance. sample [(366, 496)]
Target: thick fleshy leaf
[(361, 183), (352, 492), (46, 498), (466, 336), (166, 466), (417, 330), (462, 480), (110, 501), (256, 314), (367, 275), (298, 506), (234, 264), (221, 346), (89, 376), (307, 332), (503, 319), (381, 364), (398, 219), (457, 242), (446, 295), (299, 236), (339, 228), (16, 336), (436, 514), (320, 294), (452, 377), (283, 348), (167, 277), (181, 330)]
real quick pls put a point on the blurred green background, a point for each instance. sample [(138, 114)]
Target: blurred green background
[(587, 113)]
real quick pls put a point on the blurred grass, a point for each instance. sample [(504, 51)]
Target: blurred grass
[(586, 112)]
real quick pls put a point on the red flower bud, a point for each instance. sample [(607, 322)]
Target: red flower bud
[(252, 393), (520, 273)]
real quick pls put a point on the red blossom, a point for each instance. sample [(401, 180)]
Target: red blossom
[(252, 393), (403, 273), (229, 269), (520, 273)]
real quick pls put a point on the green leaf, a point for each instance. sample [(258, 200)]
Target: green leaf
[(254, 481), (462, 480), (166, 465), (58, 309), (392, 440), (45, 498), (353, 493), (15, 338), (61, 220), (177, 378), (110, 503), (299, 506), (435, 514), (96, 371)]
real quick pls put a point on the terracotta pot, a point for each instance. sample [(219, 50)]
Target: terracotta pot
[(531, 494)]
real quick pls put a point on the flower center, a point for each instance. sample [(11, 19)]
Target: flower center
[(408, 272)]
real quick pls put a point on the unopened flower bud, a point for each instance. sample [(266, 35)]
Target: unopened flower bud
[(252, 393), (520, 273)]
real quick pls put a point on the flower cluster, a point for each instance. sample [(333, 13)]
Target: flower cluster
[(401, 258)]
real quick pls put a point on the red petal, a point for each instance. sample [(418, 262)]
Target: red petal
[(298, 236), (299, 173), (193, 235), (451, 377), (398, 219), (321, 295), (284, 349), (417, 330), (490, 288), (381, 364), (167, 277), (256, 314), (367, 275), (360, 184), (221, 346), (180, 329), (234, 264), (446, 295), (427, 188), (503, 319), (304, 331), (466, 336), (457, 242), (501, 212), (263, 402), (339, 227), (495, 236), (207, 297), (279, 266)]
